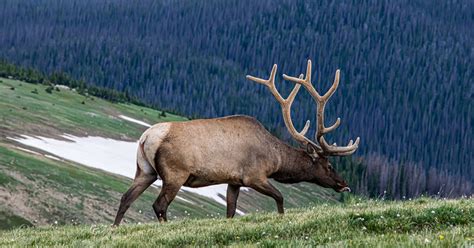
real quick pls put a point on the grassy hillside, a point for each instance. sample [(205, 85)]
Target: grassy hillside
[(30, 107), (446, 223), (36, 190)]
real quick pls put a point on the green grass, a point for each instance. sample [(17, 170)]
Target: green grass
[(365, 223), (45, 113), (46, 191), (9, 220)]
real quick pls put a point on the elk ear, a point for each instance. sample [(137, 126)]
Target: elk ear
[(311, 151)]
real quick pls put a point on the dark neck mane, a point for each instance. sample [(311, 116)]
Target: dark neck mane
[(296, 165)]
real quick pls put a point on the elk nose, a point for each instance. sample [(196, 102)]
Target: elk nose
[(346, 189)]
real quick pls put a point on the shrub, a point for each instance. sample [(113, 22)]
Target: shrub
[(49, 90)]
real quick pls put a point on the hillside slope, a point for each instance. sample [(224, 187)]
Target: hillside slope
[(357, 224), (406, 66), (39, 187)]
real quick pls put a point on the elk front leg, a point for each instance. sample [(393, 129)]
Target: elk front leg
[(266, 188), (232, 195)]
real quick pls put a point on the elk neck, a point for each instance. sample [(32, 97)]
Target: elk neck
[(296, 166)]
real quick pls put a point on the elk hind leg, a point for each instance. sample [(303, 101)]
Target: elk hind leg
[(141, 182)]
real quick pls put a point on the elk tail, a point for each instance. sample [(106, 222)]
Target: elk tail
[(142, 149), (142, 160)]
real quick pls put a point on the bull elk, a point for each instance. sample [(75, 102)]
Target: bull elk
[(238, 151)]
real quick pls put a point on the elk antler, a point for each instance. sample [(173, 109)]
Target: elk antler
[(286, 107), (321, 101)]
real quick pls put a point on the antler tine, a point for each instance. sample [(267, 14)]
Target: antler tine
[(334, 86), (305, 82), (270, 83), (339, 151), (322, 104), (321, 101), (286, 107), (332, 149)]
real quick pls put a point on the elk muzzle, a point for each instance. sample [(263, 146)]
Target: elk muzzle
[(343, 187)]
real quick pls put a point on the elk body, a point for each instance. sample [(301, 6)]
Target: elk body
[(238, 151)]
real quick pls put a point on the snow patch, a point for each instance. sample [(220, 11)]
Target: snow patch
[(107, 154), (134, 120), (214, 192), (185, 200), (28, 151), (62, 87), (53, 157)]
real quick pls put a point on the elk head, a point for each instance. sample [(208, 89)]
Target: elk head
[(319, 150)]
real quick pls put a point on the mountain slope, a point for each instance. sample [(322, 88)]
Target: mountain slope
[(424, 222), (38, 187), (407, 75)]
